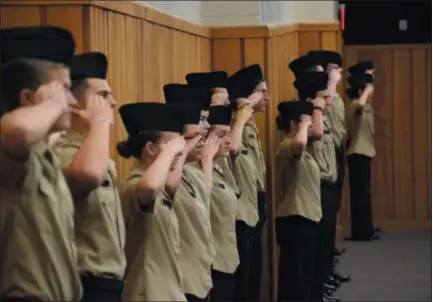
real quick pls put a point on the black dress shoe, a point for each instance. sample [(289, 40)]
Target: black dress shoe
[(332, 281), (371, 238), (328, 288), (335, 261), (332, 298), (341, 278), (339, 252)]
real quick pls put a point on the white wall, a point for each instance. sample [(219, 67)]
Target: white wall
[(187, 10), (249, 12)]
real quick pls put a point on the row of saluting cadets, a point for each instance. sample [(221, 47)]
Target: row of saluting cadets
[(186, 224)]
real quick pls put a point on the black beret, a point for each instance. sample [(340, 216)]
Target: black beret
[(138, 117), (203, 96), (299, 65), (89, 65), (360, 80), (214, 79), (291, 110), (327, 57), (177, 93), (361, 67), (220, 115), (242, 83), (191, 111), (312, 82), (48, 43)]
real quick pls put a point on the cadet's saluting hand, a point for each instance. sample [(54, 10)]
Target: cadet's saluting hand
[(97, 109)]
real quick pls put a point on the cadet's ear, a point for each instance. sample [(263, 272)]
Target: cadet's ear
[(27, 98), (151, 149)]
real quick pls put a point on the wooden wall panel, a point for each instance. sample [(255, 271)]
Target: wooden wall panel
[(401, 171), (143, 56), (145, 49)]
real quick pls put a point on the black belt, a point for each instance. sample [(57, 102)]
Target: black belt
[(102, 283), (326, 183)]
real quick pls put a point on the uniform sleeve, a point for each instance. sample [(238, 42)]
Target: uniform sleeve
[(130, 202), (13, 171), (286, 150)]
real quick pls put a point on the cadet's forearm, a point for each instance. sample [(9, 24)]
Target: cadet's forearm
[(174, 177), (90, 164), (21, 129), (317, 124), (362, 100), (236, 135), (207, 164), (155, 177)]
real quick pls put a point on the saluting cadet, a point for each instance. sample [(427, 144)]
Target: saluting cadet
[(361, 150), (323, 152), (91, 174), (216, 83), (152, 229), (192, 201), (299, 210), (224, 202), (248, 174), (38, 253), (331, 62)]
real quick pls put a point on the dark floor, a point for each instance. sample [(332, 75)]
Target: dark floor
[(395, 268)]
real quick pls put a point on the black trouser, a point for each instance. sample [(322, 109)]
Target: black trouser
[(192, 298), (340, 159), (297, 238), (325, 238), (97, 289), (248, 276), (360, 196), (223, 286)]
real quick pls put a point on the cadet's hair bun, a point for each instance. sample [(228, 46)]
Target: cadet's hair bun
[(123, 149)]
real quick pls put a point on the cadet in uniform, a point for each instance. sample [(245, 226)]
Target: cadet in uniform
[(247, 174), (216, 82), (299, 210), (191, 203), (331, 62), (361, 151), (91, 174), (224, 203), (252, 81), (324, 153), (38, 253), (152, 229)]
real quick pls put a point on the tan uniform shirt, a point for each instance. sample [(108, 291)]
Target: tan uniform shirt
[(152, 247), (361, 129), (337, 120), (99, 226), (226, 165), (246, 174), (298, 183), (197, 250), (250, 136), (224, 204), (38, 254), (323, 151)]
